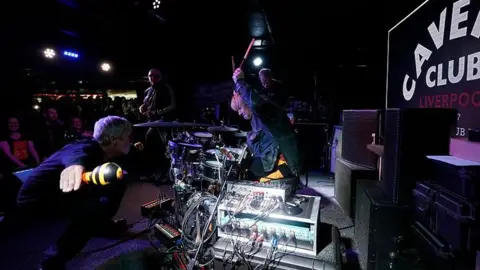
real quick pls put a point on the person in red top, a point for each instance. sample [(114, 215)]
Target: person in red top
[(19, 150)]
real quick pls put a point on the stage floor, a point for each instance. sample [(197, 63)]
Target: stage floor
[(22, 248)]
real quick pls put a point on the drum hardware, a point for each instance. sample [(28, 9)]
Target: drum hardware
[(206, 139), (220, 129), (241, 134), (174, 124)]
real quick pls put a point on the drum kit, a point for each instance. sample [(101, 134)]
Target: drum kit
[(203, 156)]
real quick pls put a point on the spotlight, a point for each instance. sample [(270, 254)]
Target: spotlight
[(70, 54), (49, 53), (257, 61), (106, 67), (156, 4)]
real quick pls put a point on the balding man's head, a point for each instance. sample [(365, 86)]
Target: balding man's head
[(266, 77), (154, 76)]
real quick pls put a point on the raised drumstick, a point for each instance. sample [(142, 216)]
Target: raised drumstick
[(247, 52)]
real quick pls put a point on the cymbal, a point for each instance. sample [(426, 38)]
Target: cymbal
[(164, 124), (241, 134), (221, 129)]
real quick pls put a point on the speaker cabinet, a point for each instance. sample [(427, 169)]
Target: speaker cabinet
[(358, 127), (379, 225), (346, 177), (411, 135)]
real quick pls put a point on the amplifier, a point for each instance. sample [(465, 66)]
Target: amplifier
[(358, 127), (411, 135), (295, 232), (436, 253), (346, 177), (458, 175), (379, 226), (449, 216), (269, 190)]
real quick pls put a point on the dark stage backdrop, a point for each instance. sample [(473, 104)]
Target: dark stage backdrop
[(434, 60)]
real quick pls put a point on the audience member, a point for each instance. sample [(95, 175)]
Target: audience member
[(51, 133), (19, 150), (76, 132)]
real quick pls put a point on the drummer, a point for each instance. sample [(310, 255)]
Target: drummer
[(271, 139)]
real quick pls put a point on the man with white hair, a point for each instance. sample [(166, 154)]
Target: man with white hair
[(55, 189)]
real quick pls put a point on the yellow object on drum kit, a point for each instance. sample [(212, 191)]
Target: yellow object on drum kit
[(201, 155)]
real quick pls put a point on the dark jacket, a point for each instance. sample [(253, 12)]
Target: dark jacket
[(277, 92), (160, 99), (275, 119)]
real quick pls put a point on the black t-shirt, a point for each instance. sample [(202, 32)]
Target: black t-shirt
[(159, 97), (277, 93), (19, 148), (44, 181)]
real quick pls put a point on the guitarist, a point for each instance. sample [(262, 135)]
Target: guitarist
[(159, 104)]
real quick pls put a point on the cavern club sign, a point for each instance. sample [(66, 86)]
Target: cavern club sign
[(434, 60)]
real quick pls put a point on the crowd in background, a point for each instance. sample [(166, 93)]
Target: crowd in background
[(29, 137)]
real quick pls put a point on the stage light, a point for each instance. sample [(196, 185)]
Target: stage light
[(106, 67), (257, 61), (156, 4), (49, 53), (70, 54)]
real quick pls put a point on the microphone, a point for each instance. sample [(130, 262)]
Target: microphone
[(104, 174)]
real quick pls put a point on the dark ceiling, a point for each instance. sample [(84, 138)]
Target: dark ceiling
[(195, 39)]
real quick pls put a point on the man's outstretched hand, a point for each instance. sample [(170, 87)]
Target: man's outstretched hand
[(71, 178)]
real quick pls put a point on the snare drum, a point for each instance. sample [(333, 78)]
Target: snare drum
[(203, 138), (211, 171), (184, 152)]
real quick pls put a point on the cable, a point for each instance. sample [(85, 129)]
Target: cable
[(347, 227), (189, 213), (212, 214)]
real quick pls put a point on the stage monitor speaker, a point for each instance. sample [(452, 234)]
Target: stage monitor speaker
[(411, 135), (358, 127), (346, 177), (379, 226)]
